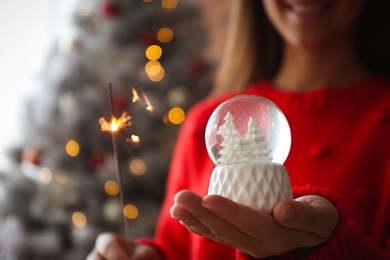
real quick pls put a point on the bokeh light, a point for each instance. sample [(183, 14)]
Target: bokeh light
[(158, 77), (176, 115), (137, 167), (111, 188), (45, 175), (153, 52), (153, 67), (165, 35), (72, 148), (79, 219), (130, 211), (169, 5)]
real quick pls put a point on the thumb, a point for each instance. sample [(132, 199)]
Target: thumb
[(309, 213)]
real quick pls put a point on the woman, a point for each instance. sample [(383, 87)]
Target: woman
[(324, 63)]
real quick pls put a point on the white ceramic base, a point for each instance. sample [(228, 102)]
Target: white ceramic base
[(256, 185)]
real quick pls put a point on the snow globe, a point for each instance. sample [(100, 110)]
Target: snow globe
[(248, 139)]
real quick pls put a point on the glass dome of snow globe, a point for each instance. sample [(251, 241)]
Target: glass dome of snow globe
[(247, 128)]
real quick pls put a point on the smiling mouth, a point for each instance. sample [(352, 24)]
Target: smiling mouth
[(306, 8)]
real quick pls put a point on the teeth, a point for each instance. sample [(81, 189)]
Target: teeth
[(304, 9)]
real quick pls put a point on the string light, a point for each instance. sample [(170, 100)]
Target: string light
[(153, 52), (72, 148), (111, 188), (153, 68), (176, 115), (45, 175), (79, 219), (165, 35), (130, 211), (137, 167), (169, 5), (158, 77)]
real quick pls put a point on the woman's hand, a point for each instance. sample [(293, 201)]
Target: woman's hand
[(304, 222), (114, 247)]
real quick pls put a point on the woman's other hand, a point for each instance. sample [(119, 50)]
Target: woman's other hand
[(110, 246)]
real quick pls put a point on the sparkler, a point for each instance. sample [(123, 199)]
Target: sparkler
[(114, 126)]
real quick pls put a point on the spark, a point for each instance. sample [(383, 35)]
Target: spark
[(147, 103), (135, 95), (149, 106), (116, 124), (133, 139)]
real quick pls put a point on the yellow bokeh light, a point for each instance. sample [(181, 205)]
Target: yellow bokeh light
[(130, 211), (137, 167), (79, 219), (153, 68), (169, 5), (153, 52), (148, 1), (45, 175), (72, 148), (165, 35), (111, 188), (158, 77), (176, 115)]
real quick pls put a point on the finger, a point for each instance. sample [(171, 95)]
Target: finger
[(235, 213), (205, 222), (112, 247), (219, 228), (309, 213), (192, 223), (189, 221)]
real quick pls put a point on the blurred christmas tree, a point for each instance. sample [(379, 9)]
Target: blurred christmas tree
[(66, 177)]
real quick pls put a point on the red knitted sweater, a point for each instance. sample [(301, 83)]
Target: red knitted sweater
[(340, 150)]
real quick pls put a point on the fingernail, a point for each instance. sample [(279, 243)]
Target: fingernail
[(287, 213)]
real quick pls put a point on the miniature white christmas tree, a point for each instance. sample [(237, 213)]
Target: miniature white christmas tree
[(235, 149), (254, 146), (231, 144)]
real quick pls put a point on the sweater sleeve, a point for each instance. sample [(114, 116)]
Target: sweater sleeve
[(345, 243)]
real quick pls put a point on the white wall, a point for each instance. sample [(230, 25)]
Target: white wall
[(27, 28)]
